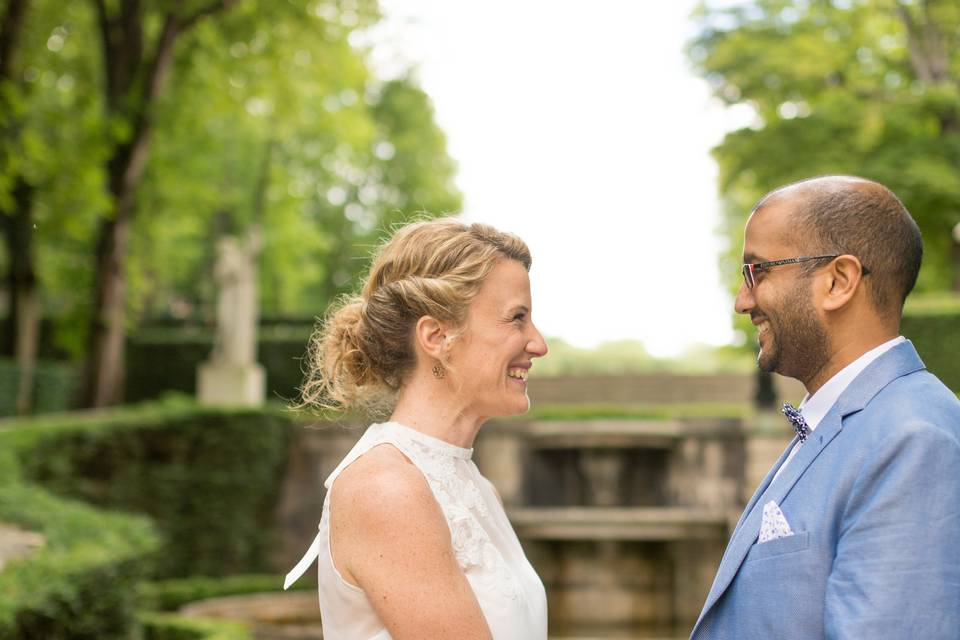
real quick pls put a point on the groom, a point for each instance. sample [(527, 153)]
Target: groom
[(855, 531)]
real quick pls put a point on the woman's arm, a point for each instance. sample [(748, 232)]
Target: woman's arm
[(390, 538)]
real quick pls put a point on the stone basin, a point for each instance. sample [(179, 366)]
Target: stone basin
[(271, 616), (296, 616)]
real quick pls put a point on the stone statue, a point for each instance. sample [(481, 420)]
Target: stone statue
[(232, 376), (235, 274)]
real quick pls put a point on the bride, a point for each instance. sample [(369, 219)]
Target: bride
[(413, 540)]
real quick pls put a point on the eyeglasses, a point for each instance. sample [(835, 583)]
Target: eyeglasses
[(750, 270)]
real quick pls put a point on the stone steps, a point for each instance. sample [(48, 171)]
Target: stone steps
[(620, 523)]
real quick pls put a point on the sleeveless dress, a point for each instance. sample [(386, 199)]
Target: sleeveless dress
[(509, 591)]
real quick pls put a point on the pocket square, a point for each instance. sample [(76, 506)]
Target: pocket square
[(774, 525)]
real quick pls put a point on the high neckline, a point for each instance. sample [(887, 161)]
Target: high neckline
[(434, 444)]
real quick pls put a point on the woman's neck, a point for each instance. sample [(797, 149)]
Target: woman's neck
[(429, 407)]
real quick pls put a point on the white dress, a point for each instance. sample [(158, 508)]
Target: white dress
[(509, 591)]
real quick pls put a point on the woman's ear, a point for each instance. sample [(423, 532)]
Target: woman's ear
[(430, 336), (843, 278)]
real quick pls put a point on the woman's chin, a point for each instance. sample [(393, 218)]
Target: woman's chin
[(517, 406)]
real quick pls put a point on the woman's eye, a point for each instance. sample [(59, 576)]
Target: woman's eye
[(519, 317)]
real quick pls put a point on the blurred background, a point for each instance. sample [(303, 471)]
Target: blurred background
[(187, 185)]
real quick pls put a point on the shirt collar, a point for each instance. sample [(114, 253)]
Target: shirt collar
[(815, 407)]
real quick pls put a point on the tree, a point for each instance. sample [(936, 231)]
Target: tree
[(136, 68), (304, 141), (16, 211), (865, 87), (266, 115), (51, 145)]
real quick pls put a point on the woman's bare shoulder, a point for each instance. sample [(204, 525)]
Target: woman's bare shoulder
[(381, 486)]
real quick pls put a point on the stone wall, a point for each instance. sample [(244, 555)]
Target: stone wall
[(656, 388)]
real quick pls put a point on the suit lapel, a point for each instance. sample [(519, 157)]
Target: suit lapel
[(765, 483), (746, 533), (898, 361)]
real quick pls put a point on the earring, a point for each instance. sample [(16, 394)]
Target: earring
[(438, 371)]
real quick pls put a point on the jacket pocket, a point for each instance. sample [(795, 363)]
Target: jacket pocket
[(780, 546)]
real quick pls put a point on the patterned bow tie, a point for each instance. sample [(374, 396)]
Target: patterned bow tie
[(797, 420)]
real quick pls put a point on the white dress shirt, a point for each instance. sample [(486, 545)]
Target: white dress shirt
[(815, 407)]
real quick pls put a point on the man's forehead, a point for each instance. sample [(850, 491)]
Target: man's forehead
[(768, 231)]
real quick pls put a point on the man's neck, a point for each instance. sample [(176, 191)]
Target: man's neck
[(845, 351)]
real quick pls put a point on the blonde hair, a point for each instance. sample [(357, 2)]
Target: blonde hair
[(360, 354)]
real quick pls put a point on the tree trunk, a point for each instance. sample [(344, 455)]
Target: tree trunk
[(10, 31), (23, 328), (27, 306), (103, 372), (22, 325), (128, 74), (929, 51)]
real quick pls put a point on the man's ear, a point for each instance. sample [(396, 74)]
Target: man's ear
[(430, 336), (843, 278)]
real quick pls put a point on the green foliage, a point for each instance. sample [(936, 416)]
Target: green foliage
[(275, 120), (166, 359), (271, 116), (932, 323), (207, 477), (170, 595), (840, 88), (54, 384), (80, 584), (52, 135), (166, 626)]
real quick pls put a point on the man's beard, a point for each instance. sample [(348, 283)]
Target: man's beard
[(798, 343)]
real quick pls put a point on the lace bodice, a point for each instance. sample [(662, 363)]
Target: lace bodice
[(509, 592)]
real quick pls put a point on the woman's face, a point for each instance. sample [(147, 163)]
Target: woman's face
[(491, 358)]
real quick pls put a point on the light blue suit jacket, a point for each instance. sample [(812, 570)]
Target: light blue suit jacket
[(873, 499)]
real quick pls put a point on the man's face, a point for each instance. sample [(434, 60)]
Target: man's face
[(793, 341)]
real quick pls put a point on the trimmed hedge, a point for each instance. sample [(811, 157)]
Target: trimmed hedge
[(208, 477), (170, 595), (80, 585), (166, 626), (932, 322), (166, 359), (54, 385)]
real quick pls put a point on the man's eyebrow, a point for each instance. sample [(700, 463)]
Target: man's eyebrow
[(749, 258)]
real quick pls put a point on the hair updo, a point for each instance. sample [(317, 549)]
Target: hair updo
[(361, 352)]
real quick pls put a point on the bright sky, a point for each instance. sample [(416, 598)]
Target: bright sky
[(580, 127)]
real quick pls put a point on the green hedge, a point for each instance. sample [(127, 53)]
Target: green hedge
[(209, 478), (166, 626), (932, 322), (166, 359), (80, 585), (170, 595), (54, 385)]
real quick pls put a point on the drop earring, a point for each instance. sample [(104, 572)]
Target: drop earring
[(438, 371)]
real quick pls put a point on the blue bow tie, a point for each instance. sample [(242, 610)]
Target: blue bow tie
[(797, 420)]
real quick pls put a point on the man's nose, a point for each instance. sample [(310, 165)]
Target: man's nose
[(744, 301)]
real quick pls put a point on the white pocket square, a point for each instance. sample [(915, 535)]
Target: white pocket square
[(774, 525)]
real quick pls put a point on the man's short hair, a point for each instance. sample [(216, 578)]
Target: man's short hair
[(856, 216)]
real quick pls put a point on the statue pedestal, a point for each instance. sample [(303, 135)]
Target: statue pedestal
[(221, 383)]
